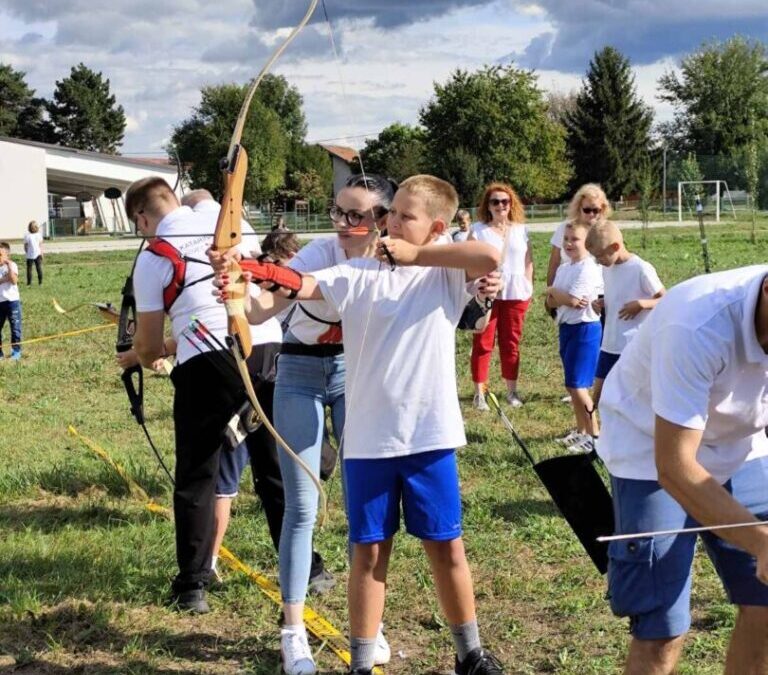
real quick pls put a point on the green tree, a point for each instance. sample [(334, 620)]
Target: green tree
[(21, 114), (690, 171), (499, 116), (397, 152), (309, 175), (609, 127), (647, 185), (84, 114), (203, 140), (277, 95), (720, 99), (752, 173)]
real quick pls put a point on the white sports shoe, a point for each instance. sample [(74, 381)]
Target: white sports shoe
[(382, 652), (478, 402), (296, 654), (514, 400), (582, 444)]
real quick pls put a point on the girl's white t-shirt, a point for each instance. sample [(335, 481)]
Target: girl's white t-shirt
[(634, 279), (33, 245), (400, 346), (516, 285), (582, 279), (153, 273), (319, 254), (9, 291)]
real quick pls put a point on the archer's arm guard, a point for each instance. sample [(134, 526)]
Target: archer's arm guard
[(281, 277)]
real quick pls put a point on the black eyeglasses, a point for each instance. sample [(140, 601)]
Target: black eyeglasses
[(590, 211), (354, 218), (498, 202)]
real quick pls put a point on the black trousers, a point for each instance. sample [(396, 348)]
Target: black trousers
[(38, 263)]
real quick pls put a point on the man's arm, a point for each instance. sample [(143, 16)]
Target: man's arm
[(148, 340), (699, 493), (476, 258)]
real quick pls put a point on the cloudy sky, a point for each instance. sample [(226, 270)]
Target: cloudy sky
[(158, 53)]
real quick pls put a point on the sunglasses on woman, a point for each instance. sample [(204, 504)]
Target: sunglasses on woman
[(498, 202), (589, 211)]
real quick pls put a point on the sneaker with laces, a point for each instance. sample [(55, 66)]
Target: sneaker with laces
[(514, 400), (478, 662), (382, 653), (581, 443), (566, 399), (321, 583), (191, 600), (569, 438), (295, 652), (478, 403), (15, 356)]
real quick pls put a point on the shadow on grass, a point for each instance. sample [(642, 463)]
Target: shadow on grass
[(520, 510), (86, 632), (46, 518)]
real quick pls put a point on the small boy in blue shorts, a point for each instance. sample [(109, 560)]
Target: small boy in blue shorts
[(403, 418), (10, 302), (577, 285), (632, 289)]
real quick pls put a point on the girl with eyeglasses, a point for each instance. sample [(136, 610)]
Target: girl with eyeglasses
[(501, 224), (310, 379)]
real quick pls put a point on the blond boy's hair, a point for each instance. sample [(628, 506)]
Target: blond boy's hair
[(602, 234), (440, 197), (577, 225), (33, 226)]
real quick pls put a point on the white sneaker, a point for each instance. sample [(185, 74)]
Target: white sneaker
[(514, 400), (569, 438), (566, 399), (381, 653), (296, 654), (581, 444), (478, 402)]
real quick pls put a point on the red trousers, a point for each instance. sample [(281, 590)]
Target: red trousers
[(508, 316)]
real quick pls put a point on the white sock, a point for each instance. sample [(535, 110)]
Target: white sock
[(214, 560)]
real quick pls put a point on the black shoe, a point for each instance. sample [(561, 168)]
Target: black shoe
[(321, 583), (479, 662), (361, 671), (192, 600)]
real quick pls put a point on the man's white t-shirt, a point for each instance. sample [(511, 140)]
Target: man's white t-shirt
[(32, 245), (319, 254), (516, 285), (153, 273), (634, 279), (399, 336), (695, 362), (582, 279), (9, 291), (251, 245)]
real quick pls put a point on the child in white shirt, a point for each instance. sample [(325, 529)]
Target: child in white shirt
[(632, 289), (576, 286)]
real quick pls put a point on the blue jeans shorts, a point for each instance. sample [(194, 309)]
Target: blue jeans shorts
[(232, 463), (427, 484), (579, 347), (649, 579), (605, 362)]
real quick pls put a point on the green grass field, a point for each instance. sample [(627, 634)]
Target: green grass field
[(85, 568)]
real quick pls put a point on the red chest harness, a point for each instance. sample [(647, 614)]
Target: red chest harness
[(176, 285)]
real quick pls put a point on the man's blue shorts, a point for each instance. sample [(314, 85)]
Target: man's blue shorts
[(426, 483), (649, 580), (232, 463), (579, 347), (605, 362)]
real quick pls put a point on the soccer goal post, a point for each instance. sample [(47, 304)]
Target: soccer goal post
[(721, 190)]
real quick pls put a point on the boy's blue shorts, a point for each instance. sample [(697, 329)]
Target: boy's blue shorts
[(579, 348), (649, 580), (232, 463), (605, 362), (427, 484)]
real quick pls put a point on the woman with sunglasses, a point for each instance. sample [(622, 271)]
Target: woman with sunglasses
[(310, 379), (501, 223), (587, 206)]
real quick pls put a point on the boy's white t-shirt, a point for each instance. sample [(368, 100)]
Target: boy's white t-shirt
[(319, 254), (400, 339), (695, 362), (582, 279), (516, 285), (9, 291), (32, 245), (634, 279), (153, 273)]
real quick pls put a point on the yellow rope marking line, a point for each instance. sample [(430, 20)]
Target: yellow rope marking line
[(320, 627), (62, 335)]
